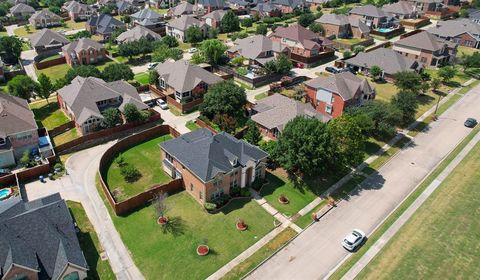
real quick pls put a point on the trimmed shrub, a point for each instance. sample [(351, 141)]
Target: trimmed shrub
[(130, 173), (209, 206), (245, 192)]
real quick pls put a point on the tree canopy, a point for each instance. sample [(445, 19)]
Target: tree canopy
[(10, 48), (252, 135), (229, 23), (111, 117), (223, 98), (22, 86), (213, 50), (193, 34), (163, 52), (407, 103), (82, 71), (45, 86), (408, 81), (117, 71)]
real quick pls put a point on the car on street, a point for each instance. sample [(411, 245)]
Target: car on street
[(331, 69), (192, 50), (162, 104), (353, 240), (470, 122), (152, 65)]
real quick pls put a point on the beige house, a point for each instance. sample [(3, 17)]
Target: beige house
[(45, 18)]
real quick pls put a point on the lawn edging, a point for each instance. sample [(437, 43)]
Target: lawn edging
[(345, 265)]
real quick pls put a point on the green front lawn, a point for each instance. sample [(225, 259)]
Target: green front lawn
[(69, 25), (172, 255), (440, 241), (88, 239), (48, 115), (461, 51), (146, 158), (350, 41), (65, 137), (55, 72), (142, 78)]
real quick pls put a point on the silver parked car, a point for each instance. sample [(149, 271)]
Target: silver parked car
[(162, 104), (353, 240)]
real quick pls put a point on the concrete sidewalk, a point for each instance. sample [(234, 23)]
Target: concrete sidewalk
[(385, 238)]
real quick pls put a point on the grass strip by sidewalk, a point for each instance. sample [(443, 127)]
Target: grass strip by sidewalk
[(266, 251), (353, 259), (385, 156)]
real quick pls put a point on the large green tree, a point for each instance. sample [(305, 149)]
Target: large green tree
[(117, 71), (223, 98), (252, 135), (447, 73), (213, 50), (408, 81), (82, 71), (347, 141), (306, 19), (45, 86), (163, 52), (111, 117), (193, 34), (229, 23), (10, 48), (22, 86), (407, 103), (170, 41)]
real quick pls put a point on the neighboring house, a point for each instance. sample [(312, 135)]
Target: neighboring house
[(474, 15), (390, 61), (272, 114), (47, 41), (207, 6), (161, 4), (38, 240), (425, 6), (258, 49), (85, 99), (239, 6), (401, 10), (288, 6), (103, 25), (460, 31), (266, 10), (210, 165), (178, 26), (184, 82), (330, 96), (137, 33), (18, 129), (84, 51), (150, 19), (21, 11), (214, 18), (372, 16), (125, 8), (303, 46), (77, 11), (184, 8), (44, 18), (341, 26), (426, 48)]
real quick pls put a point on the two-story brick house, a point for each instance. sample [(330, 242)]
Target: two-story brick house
[(84, 100), (426, 48), (331, 95), (372, 16), (84, 51), (302, 45), (258, 49), (184, 83), (210, 165), (77, 11), (18, 129), (341, 26)]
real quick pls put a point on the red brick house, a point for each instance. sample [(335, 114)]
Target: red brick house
[(212, 164), (303, 46), (331, 95), (84, 51)]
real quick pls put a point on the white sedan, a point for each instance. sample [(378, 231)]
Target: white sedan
[(353, 240), (162, 104)]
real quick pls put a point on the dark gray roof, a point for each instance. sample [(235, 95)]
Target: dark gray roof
[(290, 3), (137, 33), (15, 115), (264, 7), (345, 84), (105, 23), (277, 110), (206, 154), (368, 10), (21, 8), (147, 17), (123, 6), (453, 28), (82, 95), (473, 14), (46, 37), (389, 60), (212, 3), (39, 235)]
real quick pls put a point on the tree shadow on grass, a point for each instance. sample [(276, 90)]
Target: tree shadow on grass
[(235, 204), (425, 99), (175, 226)]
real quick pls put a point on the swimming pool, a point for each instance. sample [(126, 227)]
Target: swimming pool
[(5, 193), (384, 30)]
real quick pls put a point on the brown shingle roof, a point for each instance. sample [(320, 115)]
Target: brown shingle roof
[(345, 84), (15, 115)]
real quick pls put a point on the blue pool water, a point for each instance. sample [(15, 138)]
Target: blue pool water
[(4, 193), (384, 30)]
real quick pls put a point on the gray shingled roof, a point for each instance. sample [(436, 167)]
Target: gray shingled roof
[(105, 24), (276, 111), (422, 40), (184, 22), (252, 47), (45, 14), (453, 28), (389, 60), (15, 115), (46, 37), (345, 84), (212, 3), (290, 3), (264, 7), (21, 8), (183, 8), (137, 33), (399, 8), (368, 10), (82, 95), (333, 19), (75, 7), (146, 16), (300, 34), (216, 15), (39, 235), (183, 76), (123, 6), (82, 44), (206, 155)]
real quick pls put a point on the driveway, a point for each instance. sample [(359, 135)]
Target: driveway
[(80, 186), (317, 251), (10, 29), (177, 122), (27, 62)]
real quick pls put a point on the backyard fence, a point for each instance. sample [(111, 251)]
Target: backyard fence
[(61, 129), (49, 63)]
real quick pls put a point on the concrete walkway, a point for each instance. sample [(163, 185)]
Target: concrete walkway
[(395, 227)]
